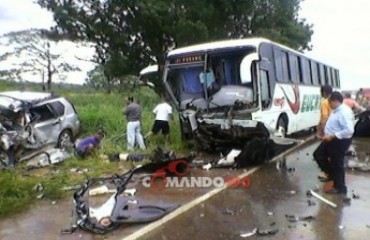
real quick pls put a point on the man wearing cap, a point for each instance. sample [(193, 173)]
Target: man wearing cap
[(337, 138), (319, 154)]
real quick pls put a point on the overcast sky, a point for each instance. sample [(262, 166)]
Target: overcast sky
[(341, 37), (16, 15), (341, 32)]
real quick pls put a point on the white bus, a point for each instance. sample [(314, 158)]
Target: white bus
[(228, 92)]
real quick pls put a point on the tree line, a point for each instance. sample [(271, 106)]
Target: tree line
[(128, 35)]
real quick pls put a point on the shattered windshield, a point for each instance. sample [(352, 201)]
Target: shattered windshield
[(186, 79), (210, 83)]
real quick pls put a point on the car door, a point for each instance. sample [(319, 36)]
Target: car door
[(47, 127)]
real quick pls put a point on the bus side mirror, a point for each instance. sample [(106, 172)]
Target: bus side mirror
[(246, 67)]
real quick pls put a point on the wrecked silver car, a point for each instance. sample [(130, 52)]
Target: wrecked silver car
[(32, 120)]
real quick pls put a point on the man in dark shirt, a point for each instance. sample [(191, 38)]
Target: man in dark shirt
[(133, 115), (88, 145)]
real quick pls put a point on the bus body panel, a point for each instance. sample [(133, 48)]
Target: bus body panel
[(206, 83)]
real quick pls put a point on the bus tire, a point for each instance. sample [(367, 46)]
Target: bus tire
[(282, 126)]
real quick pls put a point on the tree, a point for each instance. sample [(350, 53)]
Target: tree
[(34, 52), (130, 34)]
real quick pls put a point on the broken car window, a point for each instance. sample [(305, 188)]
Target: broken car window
[(58, 108), (43, 111)]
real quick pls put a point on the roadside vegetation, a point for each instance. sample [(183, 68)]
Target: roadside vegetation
[(96, 110), (176, 23)]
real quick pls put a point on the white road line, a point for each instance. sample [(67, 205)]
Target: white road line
[(160, 222)]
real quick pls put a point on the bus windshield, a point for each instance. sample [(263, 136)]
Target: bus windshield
[(213, 81)]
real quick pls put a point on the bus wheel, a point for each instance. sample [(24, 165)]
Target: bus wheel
[(281, 127)]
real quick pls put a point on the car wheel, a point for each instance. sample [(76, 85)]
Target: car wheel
[(281, 127), (65, 139)]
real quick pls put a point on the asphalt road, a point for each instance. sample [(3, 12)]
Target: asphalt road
[(274, 199)]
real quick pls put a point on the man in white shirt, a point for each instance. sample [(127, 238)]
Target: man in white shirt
[(163, 113)]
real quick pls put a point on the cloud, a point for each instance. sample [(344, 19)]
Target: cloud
[(18, 15), (340, 39)]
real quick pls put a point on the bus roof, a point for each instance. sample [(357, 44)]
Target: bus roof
[(204, 47), (232, 43)]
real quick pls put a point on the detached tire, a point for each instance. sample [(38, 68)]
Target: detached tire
[(282, 127), (65, 139)]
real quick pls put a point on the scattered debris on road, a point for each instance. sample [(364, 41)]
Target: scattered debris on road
[(355, 195), (311, 203), (122, 206), (310, 192), (248, 233), (267, 232), (295, 218), (207, 166), (228, 212), (346, 201)]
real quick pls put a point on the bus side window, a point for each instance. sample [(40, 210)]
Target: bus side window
[(326, 75), (314, 73), (333, 77), (322, 75), (265, 89), (286, 67), (294, 68)]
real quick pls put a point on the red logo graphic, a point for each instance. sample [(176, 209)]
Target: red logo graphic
[(279, 102), (178, 168), (296, 104)]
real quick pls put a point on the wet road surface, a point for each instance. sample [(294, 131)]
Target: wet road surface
[(272, 195)]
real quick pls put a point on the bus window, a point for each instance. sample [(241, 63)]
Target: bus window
[(305, 71), (294, 68), (337, 78), (278, 64), (322, 75), (265, 89), (285, 66), (333, 77), (326, 76), (330, 79), (190, 80), (314, 73), (227, 67)]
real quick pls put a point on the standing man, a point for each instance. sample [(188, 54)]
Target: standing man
[(319, 154), (133, 115), (337, 138), (352, 103), (163, 113)]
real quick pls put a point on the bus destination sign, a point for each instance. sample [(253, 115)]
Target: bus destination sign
[(187, 59)]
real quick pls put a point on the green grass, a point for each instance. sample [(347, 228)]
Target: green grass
[(96, 110)]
